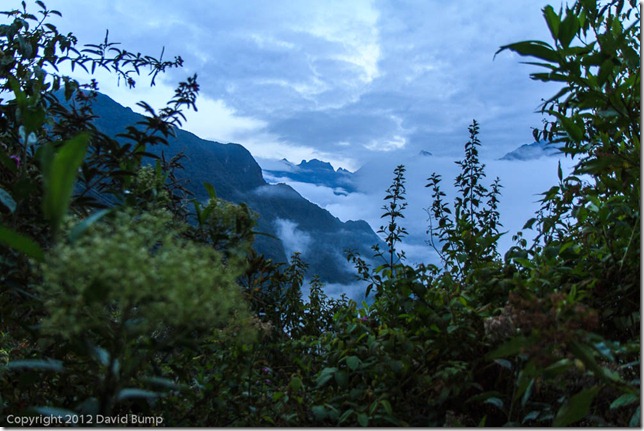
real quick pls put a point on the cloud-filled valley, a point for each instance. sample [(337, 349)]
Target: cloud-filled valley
[(522, 183)]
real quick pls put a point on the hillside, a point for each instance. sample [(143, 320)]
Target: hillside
[(283, 213)]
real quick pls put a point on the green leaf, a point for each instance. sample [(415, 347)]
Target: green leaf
[(496, 402), (37, 364), (387, 406), (558, 368), (525, 381), (319, 412), (530, 416), (82, 226), (7, 200), (574, 127), (527, 393), (504, 363), (363, 419), (129, 393), (585, 354), (510, 348), (21, 243), (373, 407), (295, 384), (568, 29), (325, 375), (576, 408), (482, 397), (605, 350), (211, 190), (52, 411), (345, 416), (59, 174), (101, 355), (533, 48), (342, 379), (624, 400), (553, 21), (353, 362), (635, 419)]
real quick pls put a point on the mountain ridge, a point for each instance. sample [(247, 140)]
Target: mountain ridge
[(533, 151), (237, 177), (316, 172)]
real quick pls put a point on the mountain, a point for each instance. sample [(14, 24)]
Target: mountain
[(291, 222), (314, 172), (533, 151)]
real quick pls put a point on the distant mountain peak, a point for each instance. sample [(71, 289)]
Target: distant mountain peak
[(315, 164), (316, 172), (533, 151)]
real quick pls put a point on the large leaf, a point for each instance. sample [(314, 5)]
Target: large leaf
[(636, 418), (576, 408), (568, 29), (353, 362), (7, 200), (80, 228), (21, 243), (325, 375), (319, 412), (585, 354), (553, 21), (624, 400), (59, 173), (511, 347), (211, 190), (36, 364), (363, 419), (533, 48), (129, 393)]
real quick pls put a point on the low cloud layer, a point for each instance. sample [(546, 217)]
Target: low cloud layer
[(522, 181)]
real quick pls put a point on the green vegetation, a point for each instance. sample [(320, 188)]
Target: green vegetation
[(122, 295)]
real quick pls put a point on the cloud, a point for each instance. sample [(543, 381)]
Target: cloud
[(293, 239), (396, 142), (522, 183), (341, 80), (216, 121)]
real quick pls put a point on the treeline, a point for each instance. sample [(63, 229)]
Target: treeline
[(124, 297)]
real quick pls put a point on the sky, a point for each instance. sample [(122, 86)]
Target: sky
[(342, 81), (354, 83)]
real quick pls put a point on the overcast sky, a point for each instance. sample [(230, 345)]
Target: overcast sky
[(344, 81)]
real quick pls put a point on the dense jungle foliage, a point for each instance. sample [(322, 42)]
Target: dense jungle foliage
[(122, 295)]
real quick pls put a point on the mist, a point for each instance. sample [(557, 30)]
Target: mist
[(522, 184), (293, 239)]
